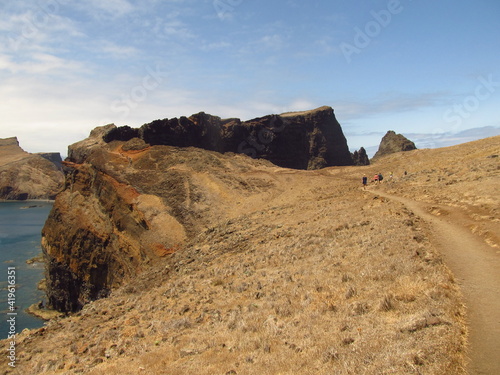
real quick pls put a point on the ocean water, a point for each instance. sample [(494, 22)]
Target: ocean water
[(20, 235)]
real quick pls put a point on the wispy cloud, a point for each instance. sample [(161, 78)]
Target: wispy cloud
[(215, 46), (41, 63), (106, 9), (444, 139), (37, 30), (274, 41), (116, 51), (389, 104)]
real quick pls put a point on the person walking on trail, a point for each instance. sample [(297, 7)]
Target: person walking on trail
[(380, 177), (365, 181), (375, 178)]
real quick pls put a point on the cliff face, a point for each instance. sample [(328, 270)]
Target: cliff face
[(360, 157), (300, 140), (27, 176), (392, 143), (127, 204), (132, 197), (53, 157)]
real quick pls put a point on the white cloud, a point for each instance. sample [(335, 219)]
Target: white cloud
[(274, 41), (106, 9), (216, 46), (36, 30), (41, 63), (389, 103), (115, 50), (302, 105)]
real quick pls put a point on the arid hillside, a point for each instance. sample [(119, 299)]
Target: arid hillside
[(27, 176), (287, 272), (461, 181)]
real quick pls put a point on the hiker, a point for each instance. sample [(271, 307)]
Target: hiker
[(380, 177), (375, 178), (365, 181)]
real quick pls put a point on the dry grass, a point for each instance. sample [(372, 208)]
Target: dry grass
[(461, 179), (318, 278)]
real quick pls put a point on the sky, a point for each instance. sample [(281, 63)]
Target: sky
[(427, 69)]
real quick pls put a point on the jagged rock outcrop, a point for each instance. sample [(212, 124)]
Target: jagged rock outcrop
[(125, 204), (134, 195), (299, 140), (360, 157), (392, 143), (53, 157), (27, 176)]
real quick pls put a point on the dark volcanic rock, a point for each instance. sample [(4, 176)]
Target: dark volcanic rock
[(360, 157), (132, 196), (28, 176), (126, 204), (392, 142), (299, 140)]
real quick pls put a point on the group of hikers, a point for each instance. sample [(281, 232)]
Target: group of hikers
[(376, 179)]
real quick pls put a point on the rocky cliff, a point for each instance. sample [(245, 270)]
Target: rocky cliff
[(53, 157), (27, 176), (392, 143), (126, 204), (135, 195), (360, 157), (299, 140)]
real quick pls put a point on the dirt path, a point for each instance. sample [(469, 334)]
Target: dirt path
[(476, 267)]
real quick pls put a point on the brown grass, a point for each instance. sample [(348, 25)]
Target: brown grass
[(320, 277)]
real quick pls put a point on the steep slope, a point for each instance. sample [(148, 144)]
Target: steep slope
[(124, 184), (284, 271), (307, 273), (299, 140), (27, 176), (126, 204)]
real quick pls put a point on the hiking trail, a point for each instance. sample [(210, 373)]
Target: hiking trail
[(476, 267)]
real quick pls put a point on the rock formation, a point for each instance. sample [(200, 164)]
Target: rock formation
[(28, 176), (126, 204), (134, 195), (53, 157), (392, 142), (299, 140), (360, 157)]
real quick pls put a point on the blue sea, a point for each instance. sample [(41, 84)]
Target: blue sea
[(20, 234)]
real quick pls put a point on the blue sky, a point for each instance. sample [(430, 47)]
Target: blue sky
[(427, 69)]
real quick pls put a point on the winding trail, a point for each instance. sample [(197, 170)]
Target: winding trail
[(476, 267)]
